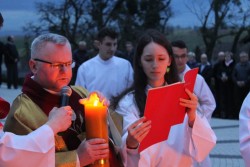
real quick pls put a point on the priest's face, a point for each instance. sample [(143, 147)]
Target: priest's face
[(52, 67)]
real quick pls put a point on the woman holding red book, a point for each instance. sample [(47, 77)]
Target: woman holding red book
[(188, 143)]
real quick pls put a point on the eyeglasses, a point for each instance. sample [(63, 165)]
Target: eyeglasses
[(58, 65), (180, 57)]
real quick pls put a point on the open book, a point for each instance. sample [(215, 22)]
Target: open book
[(164, 110)]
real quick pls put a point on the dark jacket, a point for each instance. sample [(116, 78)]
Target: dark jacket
[(11, 55)]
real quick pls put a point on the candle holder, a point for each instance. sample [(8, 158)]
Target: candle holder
[(96, 123)]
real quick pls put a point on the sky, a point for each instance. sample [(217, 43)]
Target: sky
[(17, 13), (182, 16)]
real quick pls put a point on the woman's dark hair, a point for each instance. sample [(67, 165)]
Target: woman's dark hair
[(140, 78)]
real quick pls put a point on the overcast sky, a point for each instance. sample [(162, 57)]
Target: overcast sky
[(17, 13)]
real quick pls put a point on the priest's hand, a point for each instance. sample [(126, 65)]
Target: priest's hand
[(91, 150), (60, 119), (191, 105), (137, 132)]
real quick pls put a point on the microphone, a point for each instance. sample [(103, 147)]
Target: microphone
[(65, 94)]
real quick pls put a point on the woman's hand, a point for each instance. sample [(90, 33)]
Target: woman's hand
[(137, 132), (191, 105)]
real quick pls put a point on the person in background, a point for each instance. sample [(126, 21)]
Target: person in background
[(94, 51), (105, 72), (36, 148), (189, 142), (206, 101), (120, 53), (192, 63), (201, 89), (11, 58), (217, 82), (241, 79), (129, 53), (244, 130), (79, 57), (1, 49), (205, 69), (51, 65), (226, 90), (1, 20)]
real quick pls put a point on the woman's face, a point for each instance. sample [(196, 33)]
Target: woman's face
[(155, 60)]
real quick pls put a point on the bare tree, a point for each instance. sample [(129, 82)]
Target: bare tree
[(212, 15), (74, 18), (83, 18), (239, 22), (138, 15)]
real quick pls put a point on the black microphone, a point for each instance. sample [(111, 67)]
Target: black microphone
[(65, 94)]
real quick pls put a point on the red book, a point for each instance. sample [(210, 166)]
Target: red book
[(164, 110)]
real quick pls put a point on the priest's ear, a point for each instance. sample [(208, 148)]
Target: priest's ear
[(33, 66)]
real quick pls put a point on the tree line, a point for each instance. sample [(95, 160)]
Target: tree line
[(81, 19)]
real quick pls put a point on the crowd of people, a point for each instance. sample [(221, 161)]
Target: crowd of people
[(228, 79), (40, 131)]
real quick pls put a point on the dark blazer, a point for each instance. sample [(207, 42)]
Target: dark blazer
[(207, 73), (10, 53)]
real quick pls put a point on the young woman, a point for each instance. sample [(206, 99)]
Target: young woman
[(188, 143)]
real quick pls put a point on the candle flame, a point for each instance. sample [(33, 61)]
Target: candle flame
[(93, 99), (102, 161), (96, 102)]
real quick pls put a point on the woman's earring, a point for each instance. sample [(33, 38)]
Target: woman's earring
[(168, 69)]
